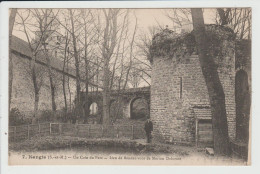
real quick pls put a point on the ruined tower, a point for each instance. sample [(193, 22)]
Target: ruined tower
[(179, 97)]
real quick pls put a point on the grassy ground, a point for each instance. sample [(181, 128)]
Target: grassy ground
[(57, 142), (60, 144)]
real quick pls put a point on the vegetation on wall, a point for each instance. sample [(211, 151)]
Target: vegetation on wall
[(170, 45)]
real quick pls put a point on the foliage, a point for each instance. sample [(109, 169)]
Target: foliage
[(46, 116), (16, 118), (170, 45), (53, 116)]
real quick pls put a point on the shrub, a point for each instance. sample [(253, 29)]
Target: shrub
[(46, 116), (57, 116), (17, 118)]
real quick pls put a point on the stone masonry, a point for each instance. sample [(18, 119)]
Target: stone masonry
[(22, 87), (178, 86)]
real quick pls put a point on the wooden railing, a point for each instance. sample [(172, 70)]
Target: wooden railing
[(19, 133)]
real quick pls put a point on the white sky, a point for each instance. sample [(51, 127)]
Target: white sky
[(148, 18)]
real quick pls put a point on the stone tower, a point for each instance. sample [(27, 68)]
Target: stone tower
[(179, 96)]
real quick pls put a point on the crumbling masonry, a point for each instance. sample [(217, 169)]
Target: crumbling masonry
[(179, 96)]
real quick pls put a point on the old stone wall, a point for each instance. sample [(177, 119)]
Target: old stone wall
[(23, 91), (243, 58)]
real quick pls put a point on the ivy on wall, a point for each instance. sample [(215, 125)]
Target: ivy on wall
[(168, 44)]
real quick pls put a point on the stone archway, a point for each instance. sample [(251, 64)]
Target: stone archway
[(139, 108), (93, 108), (242, 97), (95, 111)]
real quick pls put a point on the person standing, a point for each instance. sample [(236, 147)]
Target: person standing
[(148, 127)]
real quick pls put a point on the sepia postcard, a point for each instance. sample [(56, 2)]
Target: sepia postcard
[(164, 86)]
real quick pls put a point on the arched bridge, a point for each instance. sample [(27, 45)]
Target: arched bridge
[(121, 101)]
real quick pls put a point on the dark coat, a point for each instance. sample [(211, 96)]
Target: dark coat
[(148, 126)]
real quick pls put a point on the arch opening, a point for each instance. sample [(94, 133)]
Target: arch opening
[(93, 108), (242, 98), (139, 109)]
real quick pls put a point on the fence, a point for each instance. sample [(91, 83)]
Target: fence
[(18, 133)]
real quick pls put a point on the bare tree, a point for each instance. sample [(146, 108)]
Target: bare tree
[(108, 46), (224, 15), (25, 17), (126, 47), (46, 28), (137, 75), (120, 50), (239, 19), (68, 85), (180, 17), (65, 62), (142, 67), (76, 57), (78, 23), (89, 37), (130, 55)]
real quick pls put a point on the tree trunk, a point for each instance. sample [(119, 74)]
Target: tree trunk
[(86, 104), (52, 86), (64, 93), (215, 89), (107, 51), (68, 83), (36, 102), (223, 15), (11, 25), (47, 57), (64, 79), (106, 93), (36, 87), (76, 56), (53, 103)]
